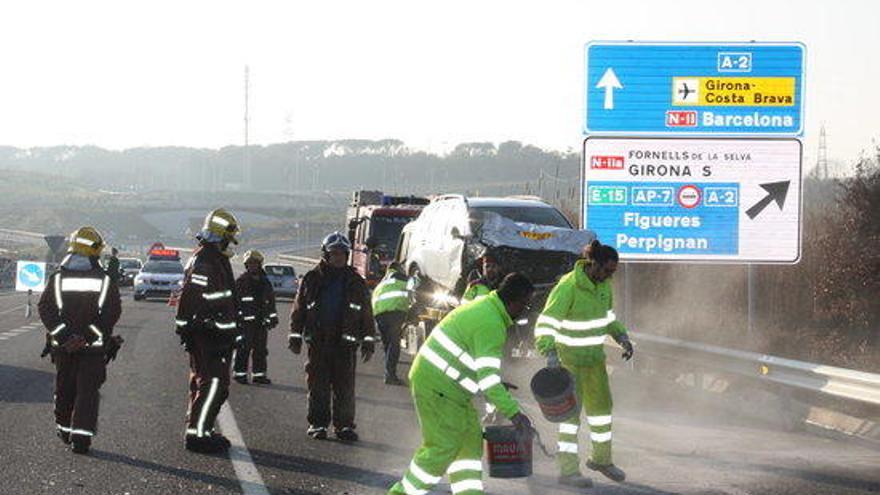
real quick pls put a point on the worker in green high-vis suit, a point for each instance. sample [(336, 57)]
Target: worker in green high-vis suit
[(461, 358), (571, 331), (391, 301), (484, 280)]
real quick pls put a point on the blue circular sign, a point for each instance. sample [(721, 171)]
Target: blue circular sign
[(31, 275)]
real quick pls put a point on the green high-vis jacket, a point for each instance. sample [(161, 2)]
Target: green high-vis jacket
[(391, 294), (475, 291), (462, 356), (577, 317)]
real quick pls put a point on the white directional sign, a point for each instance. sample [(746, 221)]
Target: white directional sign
[(30, 275), (663, 199)]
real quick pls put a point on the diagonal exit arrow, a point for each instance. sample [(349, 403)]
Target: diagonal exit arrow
[(776, 191), (609, 82)]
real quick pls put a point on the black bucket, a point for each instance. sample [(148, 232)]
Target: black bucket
[(553, 389), (509, 452)]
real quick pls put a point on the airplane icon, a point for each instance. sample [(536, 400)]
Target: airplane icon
[(685, 91)]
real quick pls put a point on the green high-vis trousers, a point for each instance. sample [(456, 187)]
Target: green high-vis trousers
[(452, 443), (594, 392)]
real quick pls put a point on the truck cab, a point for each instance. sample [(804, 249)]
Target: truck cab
[(375, 221)]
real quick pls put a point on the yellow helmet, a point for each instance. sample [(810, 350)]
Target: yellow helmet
[(220, 225), (85, 241), (253, 255)]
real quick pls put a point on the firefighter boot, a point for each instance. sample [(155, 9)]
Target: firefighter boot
[(318, 432), (64, 436), (202, 445), (221, 441), (80, 444), (347, 434)]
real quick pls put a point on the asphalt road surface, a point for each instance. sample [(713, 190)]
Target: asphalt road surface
[(665, 445)]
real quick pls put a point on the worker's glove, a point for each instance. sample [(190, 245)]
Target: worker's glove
[(553, 359), (628, 350), (240, 343), (75, 343), (367, 350), (295, 343), (112, 348), (521, 422), (271, 322)]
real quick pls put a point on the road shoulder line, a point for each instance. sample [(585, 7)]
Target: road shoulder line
[(242, 462)]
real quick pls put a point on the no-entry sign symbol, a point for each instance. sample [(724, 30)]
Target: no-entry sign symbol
[(689, 196)]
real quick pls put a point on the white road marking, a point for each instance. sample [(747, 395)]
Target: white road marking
[(248, 476)]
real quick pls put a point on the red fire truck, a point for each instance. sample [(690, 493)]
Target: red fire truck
[(375, 221)]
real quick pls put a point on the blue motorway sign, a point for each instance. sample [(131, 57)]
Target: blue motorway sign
[(686, 199), (694, 88)]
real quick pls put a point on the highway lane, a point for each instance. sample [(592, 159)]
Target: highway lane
[(666, 445)]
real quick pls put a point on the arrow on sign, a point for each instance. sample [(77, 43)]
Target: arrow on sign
[(609, 82), (776, 191)]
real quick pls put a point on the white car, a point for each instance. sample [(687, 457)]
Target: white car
[(158, 278), (283, 279)]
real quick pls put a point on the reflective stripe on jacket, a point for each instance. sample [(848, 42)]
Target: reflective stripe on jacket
[(357, 324), (208, 301), (462, 356), (577, 317), (391, 294), (84, 302), (257, 299)]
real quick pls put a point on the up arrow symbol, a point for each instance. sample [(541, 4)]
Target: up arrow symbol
[(610, 82)]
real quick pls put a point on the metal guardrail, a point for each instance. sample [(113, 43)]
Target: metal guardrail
[(830, 380), (10, 236), (838, 382)]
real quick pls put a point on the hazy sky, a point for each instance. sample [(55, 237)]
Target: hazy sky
[(122, 74)]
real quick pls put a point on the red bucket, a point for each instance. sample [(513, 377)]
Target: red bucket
[(554, 392), (509, 452)]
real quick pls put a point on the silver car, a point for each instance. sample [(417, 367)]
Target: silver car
[(158, 278), (283, 279)]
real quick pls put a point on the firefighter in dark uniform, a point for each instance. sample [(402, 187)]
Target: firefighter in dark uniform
[(332, 314), (258, 316), (207, 322), (79, 308)]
